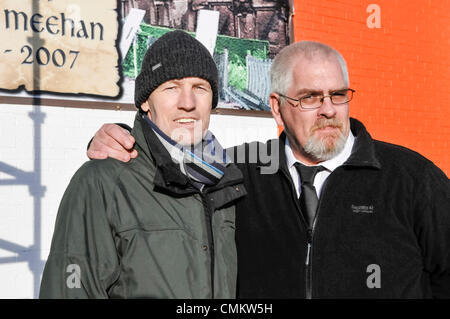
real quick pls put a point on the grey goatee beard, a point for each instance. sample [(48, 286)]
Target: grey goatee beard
[(323, 149)]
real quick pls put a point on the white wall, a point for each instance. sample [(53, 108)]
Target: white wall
[(30, 190)]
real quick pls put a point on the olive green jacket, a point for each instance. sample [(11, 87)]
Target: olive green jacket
[(141, 230)]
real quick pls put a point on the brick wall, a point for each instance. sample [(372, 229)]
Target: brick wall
[(400, 71)]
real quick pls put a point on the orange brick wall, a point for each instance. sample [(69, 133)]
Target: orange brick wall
[(401, 71)]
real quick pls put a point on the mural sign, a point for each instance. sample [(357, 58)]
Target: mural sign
[(82, 51), (61, 46)]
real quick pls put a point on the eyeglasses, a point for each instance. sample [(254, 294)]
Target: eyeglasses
[(314, 101)]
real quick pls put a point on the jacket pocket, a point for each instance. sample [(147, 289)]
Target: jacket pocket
[(121, 232)]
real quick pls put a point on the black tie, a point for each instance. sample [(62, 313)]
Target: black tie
[(308, 196)]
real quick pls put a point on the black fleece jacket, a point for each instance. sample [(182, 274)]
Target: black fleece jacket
[(382, 229)]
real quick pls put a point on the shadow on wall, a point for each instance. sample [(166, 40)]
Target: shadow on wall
[(33, 180)]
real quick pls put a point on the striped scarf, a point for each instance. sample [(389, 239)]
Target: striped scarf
[(204, 163)]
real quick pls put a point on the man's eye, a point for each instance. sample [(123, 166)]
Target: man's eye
[(341, 93), (202, 88)]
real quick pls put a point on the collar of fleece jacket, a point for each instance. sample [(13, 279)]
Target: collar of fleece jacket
[(363, 152)]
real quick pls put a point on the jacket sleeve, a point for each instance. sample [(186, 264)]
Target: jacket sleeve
[(433, 228), (83, 261)]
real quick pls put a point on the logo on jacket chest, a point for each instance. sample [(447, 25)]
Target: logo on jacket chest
[(362, 209)]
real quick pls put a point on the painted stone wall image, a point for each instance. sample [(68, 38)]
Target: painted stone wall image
[(250, 34)]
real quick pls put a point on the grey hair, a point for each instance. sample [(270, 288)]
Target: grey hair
[(281, 69)]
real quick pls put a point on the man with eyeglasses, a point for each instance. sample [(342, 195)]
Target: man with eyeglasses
[(343, 216)]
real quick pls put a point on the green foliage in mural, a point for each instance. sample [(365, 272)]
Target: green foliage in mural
[(237, 75)]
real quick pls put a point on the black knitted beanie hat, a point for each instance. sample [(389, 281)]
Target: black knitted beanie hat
[(175, 55)]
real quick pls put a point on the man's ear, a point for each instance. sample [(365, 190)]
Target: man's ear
[(275, 104), (146, 108)]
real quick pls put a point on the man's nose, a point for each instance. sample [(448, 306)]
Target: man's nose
[(327, 109), (186, 99)]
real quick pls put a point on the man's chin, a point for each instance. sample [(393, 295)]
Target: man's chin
[(187, 137), (325, 148), (188, 141)]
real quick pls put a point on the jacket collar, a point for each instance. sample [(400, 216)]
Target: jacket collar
[(168, 176), (363, 151), (167, 172)]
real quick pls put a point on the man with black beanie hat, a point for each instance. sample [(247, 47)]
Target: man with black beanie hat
[(161, 225), (175, 55)]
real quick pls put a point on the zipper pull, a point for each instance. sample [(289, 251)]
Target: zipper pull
[(307, 255), (309, 241)]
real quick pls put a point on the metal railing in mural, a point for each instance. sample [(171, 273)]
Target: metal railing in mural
[(256, 94)]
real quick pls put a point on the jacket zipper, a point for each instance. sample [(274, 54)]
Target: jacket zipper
[(208, 216), (309, 240), (209, 229), (308, 265), (308, 274)]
